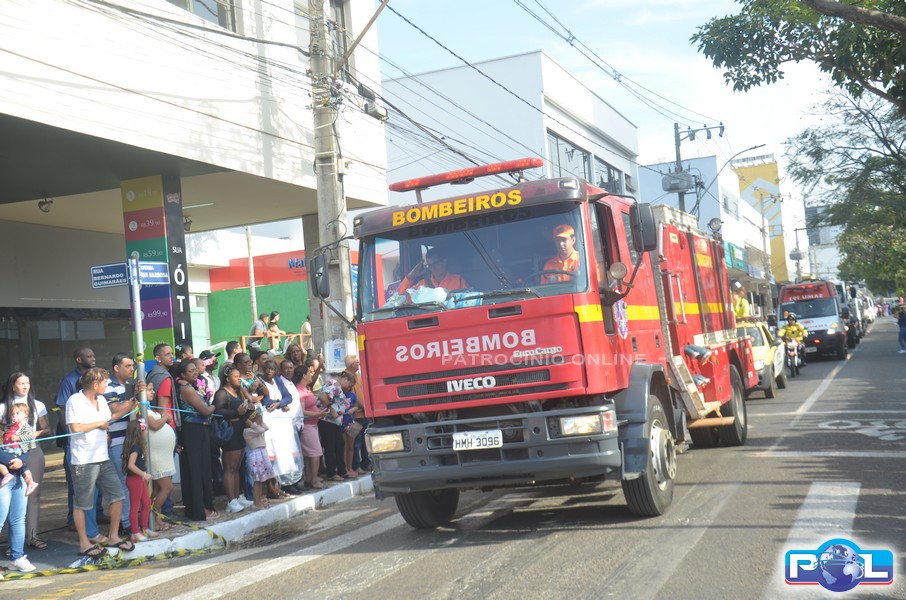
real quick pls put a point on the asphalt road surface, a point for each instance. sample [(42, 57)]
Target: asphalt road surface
[(824, 460)]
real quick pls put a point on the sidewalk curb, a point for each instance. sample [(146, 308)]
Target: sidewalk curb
[(236, 529)]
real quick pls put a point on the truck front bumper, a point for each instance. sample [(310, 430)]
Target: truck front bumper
[(533, 452)]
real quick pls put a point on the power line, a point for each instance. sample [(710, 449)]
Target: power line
[(510, 92), (610, 70)]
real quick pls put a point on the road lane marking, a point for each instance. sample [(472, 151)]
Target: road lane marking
[(892, 411), (172, 573), (237, 581), (679, 531), (827, 512), (807, 405), (878, 454)]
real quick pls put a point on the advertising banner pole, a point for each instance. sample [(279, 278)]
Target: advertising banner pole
[(135, 285)]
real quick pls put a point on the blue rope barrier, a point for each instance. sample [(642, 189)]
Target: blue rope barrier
[(65, 435)]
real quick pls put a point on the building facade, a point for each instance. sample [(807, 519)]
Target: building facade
[(523, 106), (211, 98)]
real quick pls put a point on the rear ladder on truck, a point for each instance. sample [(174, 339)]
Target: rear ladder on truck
[(680, 378)]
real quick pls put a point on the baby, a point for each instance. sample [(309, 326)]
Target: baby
[(19, 439)]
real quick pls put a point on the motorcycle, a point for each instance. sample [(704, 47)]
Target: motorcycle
[(793, 360)]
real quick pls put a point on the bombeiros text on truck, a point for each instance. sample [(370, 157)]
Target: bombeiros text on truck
[(544, 333)]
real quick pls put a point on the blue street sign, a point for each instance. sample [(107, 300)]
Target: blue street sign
[(105, 276), (153, 273)]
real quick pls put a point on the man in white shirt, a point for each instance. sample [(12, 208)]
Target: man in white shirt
[(88, 417)]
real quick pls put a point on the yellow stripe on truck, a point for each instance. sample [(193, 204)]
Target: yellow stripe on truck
[(589, 313), (361, 342), (643, 313), (593, 312)]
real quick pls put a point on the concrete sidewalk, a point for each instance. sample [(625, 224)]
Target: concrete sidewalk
[(62, 544)]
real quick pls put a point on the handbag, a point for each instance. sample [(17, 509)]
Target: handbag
[(221, 431), (353, 429)]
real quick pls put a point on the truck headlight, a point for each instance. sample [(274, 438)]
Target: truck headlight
[(831, 332), (385, 442), (581, 425), (759, 365)]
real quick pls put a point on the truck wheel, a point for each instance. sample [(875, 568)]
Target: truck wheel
[(651, 493), (734, 434), (841, 352), (427, 510), (781, 380), (703, 437), (771, 390)]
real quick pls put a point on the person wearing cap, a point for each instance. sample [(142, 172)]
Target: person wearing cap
[(437, 275), (566, 259)]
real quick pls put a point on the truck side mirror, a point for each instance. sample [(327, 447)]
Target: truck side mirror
[(844, 313), (320, 281), (644, 229)]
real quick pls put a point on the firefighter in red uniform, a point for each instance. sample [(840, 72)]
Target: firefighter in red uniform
[(437, 277), (566, 259)]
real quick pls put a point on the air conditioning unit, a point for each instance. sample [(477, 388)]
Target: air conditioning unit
[(682, 181)]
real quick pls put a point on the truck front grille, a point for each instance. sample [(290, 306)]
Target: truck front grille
[(440, 387), (554, 387)]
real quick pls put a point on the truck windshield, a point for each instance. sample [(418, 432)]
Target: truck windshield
[(524, 252), (810, 309)]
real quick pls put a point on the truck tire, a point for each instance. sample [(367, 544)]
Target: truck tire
[(841, 352), (736, 433), (427, 510), (703, 437), (781, 380), (651, 493), (771, 390)]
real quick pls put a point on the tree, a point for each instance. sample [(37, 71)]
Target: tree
[(863, 48), (856, 167), (874, 255)]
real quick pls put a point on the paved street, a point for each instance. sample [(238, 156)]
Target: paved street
[(823, 460)]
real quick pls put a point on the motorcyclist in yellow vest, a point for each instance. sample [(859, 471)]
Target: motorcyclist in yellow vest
[(793, 330)]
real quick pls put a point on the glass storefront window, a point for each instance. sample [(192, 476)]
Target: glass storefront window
[(40, 343)]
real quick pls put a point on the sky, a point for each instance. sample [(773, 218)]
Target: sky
[(645, 41)]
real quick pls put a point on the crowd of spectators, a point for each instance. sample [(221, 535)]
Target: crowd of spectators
[(259, 428)]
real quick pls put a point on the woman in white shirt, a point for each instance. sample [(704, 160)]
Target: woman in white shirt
[(17, 389)]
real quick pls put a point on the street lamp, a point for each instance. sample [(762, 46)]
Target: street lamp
[(721, 170), (797, 254)]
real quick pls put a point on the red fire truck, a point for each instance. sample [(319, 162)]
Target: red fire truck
[(543, 333)]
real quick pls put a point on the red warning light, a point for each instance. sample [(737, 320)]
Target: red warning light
[(466, 175)]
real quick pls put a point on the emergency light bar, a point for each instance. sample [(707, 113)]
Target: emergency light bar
[(466, 175)]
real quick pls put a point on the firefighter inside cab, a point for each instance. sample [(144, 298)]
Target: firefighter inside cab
[(561, 266), (432, 273)]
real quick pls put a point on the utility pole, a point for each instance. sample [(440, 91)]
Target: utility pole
[(679, 166), (767, 258), (252, 291), (690, 135), (339, 340)]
